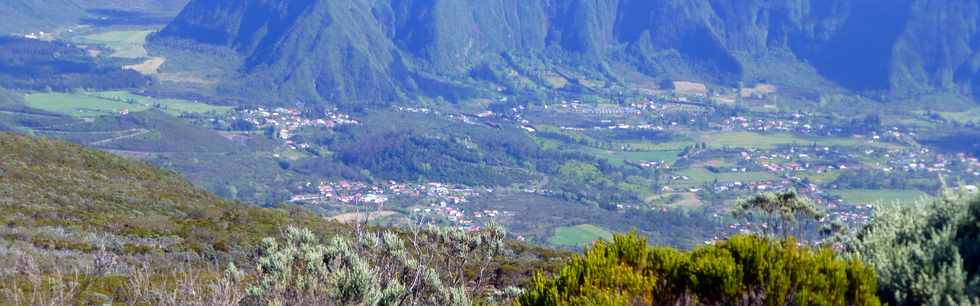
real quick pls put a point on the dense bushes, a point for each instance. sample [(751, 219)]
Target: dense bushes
[(68, 209), (742, 271), (375, 268), (926, 255)]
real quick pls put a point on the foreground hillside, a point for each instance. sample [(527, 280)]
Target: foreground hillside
[(76, 191), (99, 225), (86, 227), (373, 51)]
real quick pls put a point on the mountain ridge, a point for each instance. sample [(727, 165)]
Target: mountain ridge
[(375, 50)]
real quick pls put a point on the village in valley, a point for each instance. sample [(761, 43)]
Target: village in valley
[(710, 156)]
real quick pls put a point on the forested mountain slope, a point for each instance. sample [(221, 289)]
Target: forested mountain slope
[(374, 50)]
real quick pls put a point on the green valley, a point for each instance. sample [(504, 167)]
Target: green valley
[(93, 104), (508, 152)]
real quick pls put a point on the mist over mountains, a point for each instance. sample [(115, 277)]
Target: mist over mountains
[(376, 50)]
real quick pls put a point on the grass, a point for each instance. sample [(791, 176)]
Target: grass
[(93, 104), (880, 197), (679, 200), (124, 44), (826, 177), (619, 157), (657, 146), (579, 235), (770, 141), (698, 176), (963, 117)]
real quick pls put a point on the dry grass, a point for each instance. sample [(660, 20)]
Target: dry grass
[(759, 89), (688, 87), (149, 67), (361, 216)]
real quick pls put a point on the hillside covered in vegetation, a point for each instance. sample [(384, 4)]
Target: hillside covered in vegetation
[(96, 223), (82, 226)]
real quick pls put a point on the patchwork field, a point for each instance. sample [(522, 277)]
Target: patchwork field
[(698, 176), (967, 116), (769, 141), (619, 157), (125, 44), (676, 200), (579, 235), (658, 146), (93, 104), (880, 197)]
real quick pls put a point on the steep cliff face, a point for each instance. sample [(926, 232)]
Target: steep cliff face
[(326, 50), (361, 49)]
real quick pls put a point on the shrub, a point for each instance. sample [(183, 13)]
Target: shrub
[(744, 270), (924, 255), (374, 268)]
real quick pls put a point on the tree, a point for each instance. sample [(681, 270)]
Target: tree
[(783, 211)]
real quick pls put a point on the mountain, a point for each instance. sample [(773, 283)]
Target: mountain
[(363, 50)]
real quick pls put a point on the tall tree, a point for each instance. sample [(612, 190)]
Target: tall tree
[(784, 212)]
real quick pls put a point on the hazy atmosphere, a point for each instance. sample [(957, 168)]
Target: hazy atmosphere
[(477, 152)]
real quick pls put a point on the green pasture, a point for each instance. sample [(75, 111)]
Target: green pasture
[(770, 141), (619, 157), (579, 235), (92, 104), (698, 176), (880, 197), (125, 44)]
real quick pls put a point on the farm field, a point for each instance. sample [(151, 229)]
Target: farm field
[(579, 235), (770, 141), (125, 44), (821, 178), (619, 157), (698, 176), (93, 104), (658, 146), (963, 117), (880, 197), (686, 200)]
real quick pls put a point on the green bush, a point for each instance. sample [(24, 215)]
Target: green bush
[(744, 270), (924, 255)]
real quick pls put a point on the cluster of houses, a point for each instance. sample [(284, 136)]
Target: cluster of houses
[(923, 160), (457, 216), (287, 121), (352, 192), (418, 110), (39, 35), (657, 164), (742, 123), (445, 202), (595, 110)]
